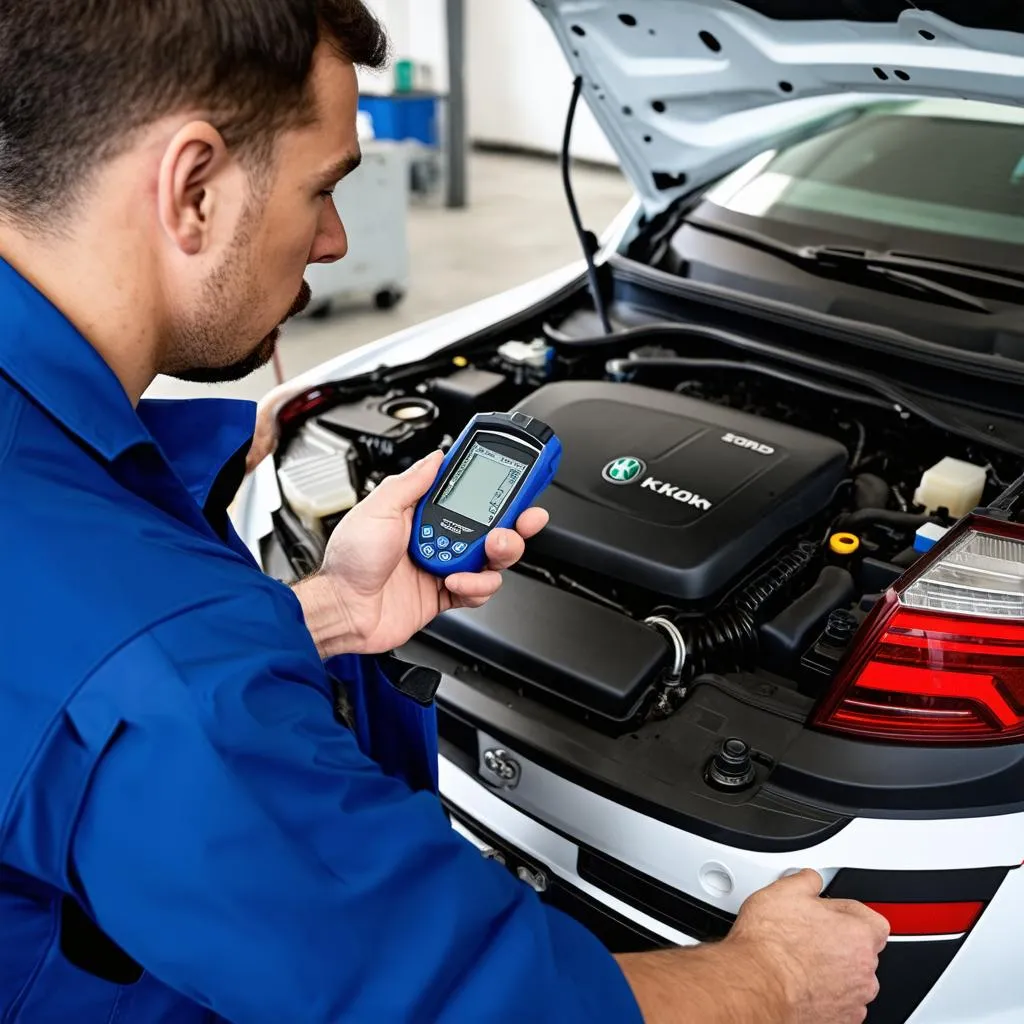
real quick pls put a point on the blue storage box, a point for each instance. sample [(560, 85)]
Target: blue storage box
[(401, 117)]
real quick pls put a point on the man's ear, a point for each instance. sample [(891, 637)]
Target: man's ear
[(191, 175)]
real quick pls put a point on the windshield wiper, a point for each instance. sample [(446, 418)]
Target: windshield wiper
[(996, 284), (855, 266)]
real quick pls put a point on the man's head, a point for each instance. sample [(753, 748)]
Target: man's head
[(192, 146)]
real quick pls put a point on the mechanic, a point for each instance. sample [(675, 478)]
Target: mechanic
[(214, 804)]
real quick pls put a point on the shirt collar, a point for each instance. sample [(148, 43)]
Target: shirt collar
[(199, 437), (49, 359), (46, 356)]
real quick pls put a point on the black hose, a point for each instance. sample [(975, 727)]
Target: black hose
[(870, 491), (776, 582), (726, 640), (864, 517), (615, 367)]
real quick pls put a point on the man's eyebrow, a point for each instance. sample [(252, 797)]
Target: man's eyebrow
[(346, 165)]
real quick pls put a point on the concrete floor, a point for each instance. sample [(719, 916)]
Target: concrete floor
[(516, 227)]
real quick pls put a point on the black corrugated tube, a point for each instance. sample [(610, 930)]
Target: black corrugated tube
[(726, 640)]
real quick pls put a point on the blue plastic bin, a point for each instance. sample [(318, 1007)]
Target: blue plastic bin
[(402, 117)]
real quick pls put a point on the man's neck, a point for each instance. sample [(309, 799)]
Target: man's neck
[(94, 295)]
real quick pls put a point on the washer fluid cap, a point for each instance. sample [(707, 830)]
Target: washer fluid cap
[(844, 543)]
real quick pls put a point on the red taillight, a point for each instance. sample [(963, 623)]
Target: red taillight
[(929, 918), (304, 404), (942, 660)]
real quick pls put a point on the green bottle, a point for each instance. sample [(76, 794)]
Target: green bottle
[(405, 71)]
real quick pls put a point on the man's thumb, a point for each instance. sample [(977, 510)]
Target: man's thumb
[(407, 488), (807, 881)]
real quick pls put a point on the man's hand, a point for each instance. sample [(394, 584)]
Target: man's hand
[(370, 597), (822, 952), (791, 958)]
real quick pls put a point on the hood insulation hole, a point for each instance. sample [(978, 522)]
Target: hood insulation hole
[(711, 42)]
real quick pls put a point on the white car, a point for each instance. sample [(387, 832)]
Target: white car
[(777, 620)]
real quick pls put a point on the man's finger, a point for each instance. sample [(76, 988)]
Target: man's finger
[(504, 548), (807, 882), (474, 586), (877, 921), (531, 522), (404, 490)]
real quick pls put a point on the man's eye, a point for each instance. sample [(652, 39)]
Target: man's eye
[(327, 193)]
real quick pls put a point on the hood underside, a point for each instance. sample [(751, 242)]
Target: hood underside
[(686, 90)]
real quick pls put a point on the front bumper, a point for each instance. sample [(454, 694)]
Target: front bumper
[(593, 860)]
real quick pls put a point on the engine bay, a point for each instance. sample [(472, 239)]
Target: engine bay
[(713, 514)]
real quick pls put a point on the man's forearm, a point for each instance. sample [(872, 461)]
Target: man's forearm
[(325, 619), (709, 984)]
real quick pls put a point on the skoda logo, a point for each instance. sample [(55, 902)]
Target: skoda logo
[(624, 471)]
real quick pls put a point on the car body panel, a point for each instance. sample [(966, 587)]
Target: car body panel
[(699, 867), (676, 857), (979, 985), (687, 89)]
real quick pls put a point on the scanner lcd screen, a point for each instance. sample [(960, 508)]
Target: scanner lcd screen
[(482, 484)]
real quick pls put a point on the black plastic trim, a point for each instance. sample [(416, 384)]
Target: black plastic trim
[(883, 780), (521, 633), (967, 886), (670, 906), (907, 972), (616, 933), (809, 784), (658, 773)]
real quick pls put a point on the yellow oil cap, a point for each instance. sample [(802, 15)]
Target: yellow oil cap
[(844, 543), (460, 361)]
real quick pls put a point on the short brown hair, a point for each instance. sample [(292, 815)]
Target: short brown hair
[(78, 77)]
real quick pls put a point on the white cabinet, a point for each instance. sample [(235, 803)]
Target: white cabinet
[(373, 203)]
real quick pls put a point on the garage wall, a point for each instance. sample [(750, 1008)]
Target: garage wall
[(508, 102), (417, 30)]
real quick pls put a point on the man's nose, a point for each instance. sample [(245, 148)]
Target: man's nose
[(331, 242)]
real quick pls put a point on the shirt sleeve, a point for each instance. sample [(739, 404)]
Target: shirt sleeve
[(236, 843)]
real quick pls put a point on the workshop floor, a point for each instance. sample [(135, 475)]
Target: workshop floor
[(516, 227)]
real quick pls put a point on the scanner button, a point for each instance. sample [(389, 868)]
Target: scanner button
[(445, 556), (459, 546), (428, 550), (426, 532), (443, 542)]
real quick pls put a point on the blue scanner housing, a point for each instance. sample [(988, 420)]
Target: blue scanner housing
[(493, 472)]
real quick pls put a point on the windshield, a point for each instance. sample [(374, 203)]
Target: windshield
[(949, 168)]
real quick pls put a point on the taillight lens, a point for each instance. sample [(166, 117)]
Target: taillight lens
[(942, 658), (907, 919)]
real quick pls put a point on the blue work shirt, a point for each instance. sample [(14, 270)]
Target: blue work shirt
[(187, 832)]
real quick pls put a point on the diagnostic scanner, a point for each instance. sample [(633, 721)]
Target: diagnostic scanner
[(492, 473)]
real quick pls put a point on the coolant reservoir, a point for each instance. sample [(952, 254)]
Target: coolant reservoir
[(952, 484), (315, 477)]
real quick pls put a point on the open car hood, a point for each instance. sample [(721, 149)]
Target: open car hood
[(686, 90)]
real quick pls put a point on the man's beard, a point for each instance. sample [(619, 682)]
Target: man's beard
[(259, 356)]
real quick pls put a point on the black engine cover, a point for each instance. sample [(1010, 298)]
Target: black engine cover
[(672, 494)]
